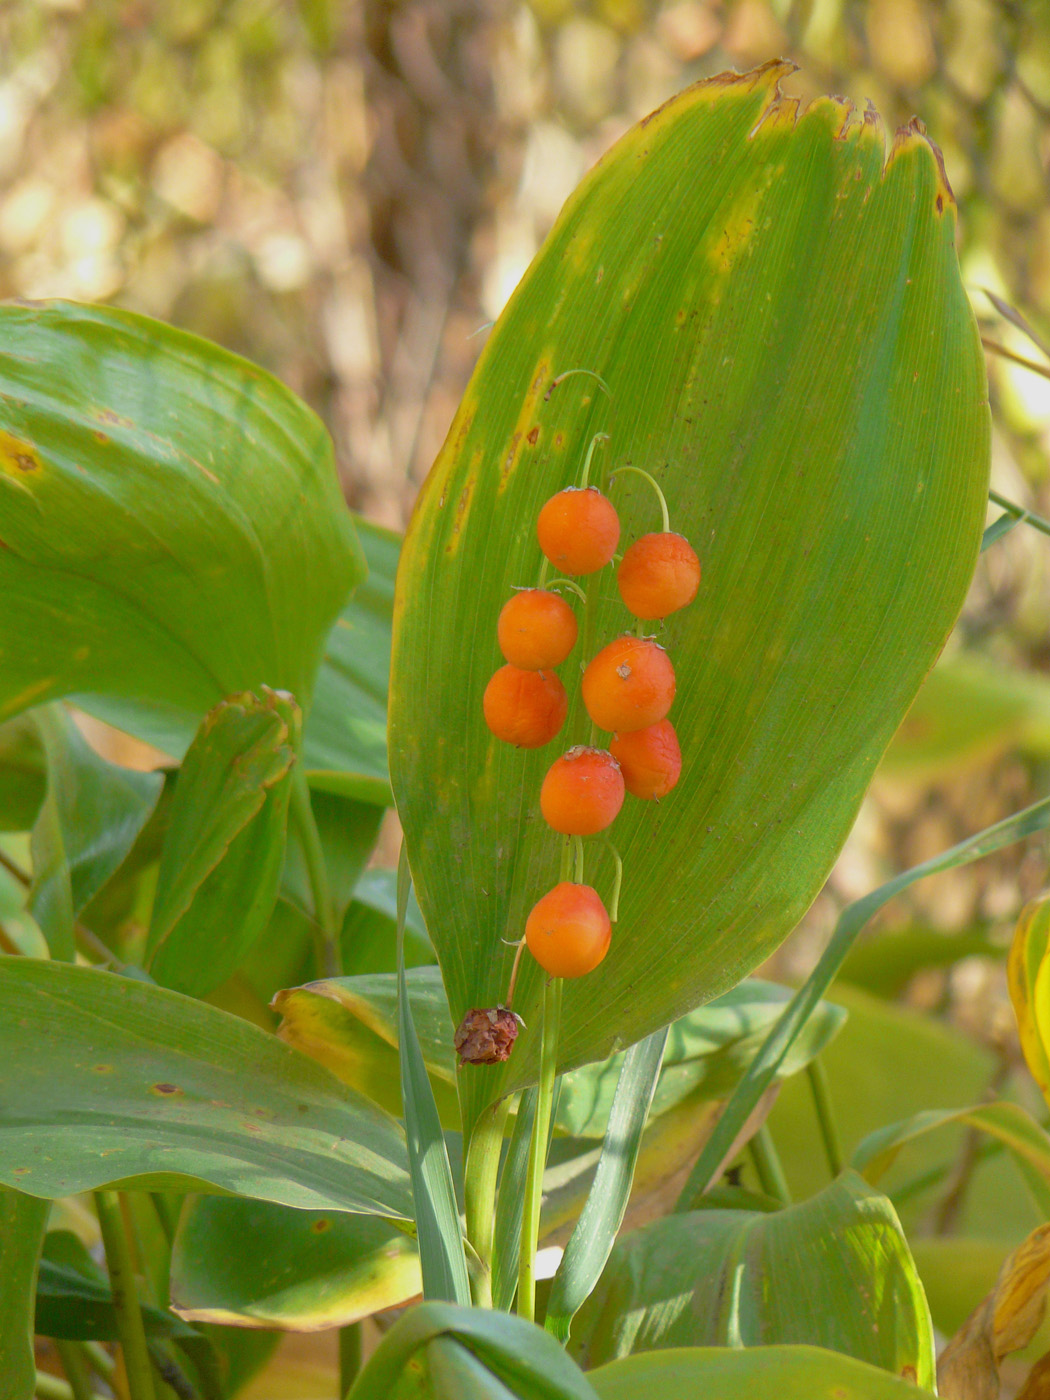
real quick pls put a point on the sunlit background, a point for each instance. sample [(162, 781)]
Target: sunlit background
[(347, 193)]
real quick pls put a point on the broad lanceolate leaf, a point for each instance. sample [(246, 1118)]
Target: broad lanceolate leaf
[(776, 310), (23, 774), (759, 1373), (344, 746), (90, 818), (224, 850), (516, 1354), (1028, 973), (23, 1220), (172, 523), (834, 1272), (255, 1264), (108, 1079)]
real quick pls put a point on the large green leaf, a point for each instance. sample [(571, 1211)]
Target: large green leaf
[(108, 1079), (172, 523), (789, 1373), (777, 312), (23, 774), (256, 1264), (224, 850), (344, 747), (834, 1272), (22, 1223), (90, 818)]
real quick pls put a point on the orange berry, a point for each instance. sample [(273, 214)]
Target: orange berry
[(629, 685), (582, 792), (578, 530), (526, 708), (568, 931), (659, 574), (536, 629), (650, 759)]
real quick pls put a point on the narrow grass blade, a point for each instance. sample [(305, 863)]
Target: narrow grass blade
[(441, 1256), (595, 1234), (506, 1238), (850, 922)]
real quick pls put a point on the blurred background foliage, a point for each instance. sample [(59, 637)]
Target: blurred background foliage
[(347, 191)]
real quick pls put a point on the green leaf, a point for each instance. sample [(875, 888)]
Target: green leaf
[(1008, 1122), (370, 927), (90, 818), (969, 712), (834, 1272), (595, 1232), (348, 830), (757, 294), (174, 530), (107, 1079), (350, 1025), (516, 1353), (254, 1264), (441, 1254), (886, 963), (23, 774), (224, 850), (23, 1221), (851, 921), (74, 1301), (506, 1233), (344, 746), (789, 1373)]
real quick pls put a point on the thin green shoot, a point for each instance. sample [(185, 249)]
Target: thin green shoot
[(664, 516)]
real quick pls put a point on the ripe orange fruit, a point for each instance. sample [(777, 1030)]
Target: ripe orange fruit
[(659, 574), (526, 708), (568, 931), (536, 629), (578, 530), (649, 759), (582, 792), (629, 685)]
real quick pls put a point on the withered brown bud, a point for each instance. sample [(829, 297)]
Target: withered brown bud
[(486, 1036)]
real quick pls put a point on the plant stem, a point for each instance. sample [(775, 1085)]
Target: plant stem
[(326, 928), (76, 1368), (614, 902), (125, 1298), (479, 1190), (818, 1084), (530, 1225), (767, 1165), (1020, 514), (585, 475), (349, 1356), (48, 1387), (664, 516), (100, 1361)]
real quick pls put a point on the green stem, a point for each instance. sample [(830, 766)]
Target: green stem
[(326, 927), (577, 852), (569, 583), (1019, 513), (818, 1084), (566, 373), (585, 475), (48, 1387), (75, 1366), (767, 1165), (479, 1190), (100, 1361), (614, 902), (665, 518), (125, 1298), (349, 1356), (530, 1225)]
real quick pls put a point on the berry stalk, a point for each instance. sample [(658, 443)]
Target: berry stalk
[(530, 1224)]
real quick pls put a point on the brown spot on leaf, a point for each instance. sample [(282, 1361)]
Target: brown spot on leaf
[(100, 436), (165, 1089), (101, 1069), (533, 436), (320, 1226)]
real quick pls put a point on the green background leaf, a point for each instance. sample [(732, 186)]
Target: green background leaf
[(224, 850), (105, 1079), (833, 1271), (173, 527), (778, 313), (23, 1220)]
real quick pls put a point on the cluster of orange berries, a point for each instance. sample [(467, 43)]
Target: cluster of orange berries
[(627, 690)]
